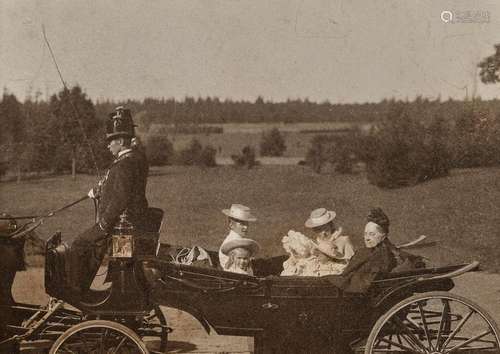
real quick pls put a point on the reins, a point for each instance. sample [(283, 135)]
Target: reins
[(48, 215), (31, 225)]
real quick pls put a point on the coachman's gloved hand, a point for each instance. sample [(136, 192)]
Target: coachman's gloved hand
[(94, 193)]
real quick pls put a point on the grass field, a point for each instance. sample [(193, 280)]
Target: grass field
[(462, 211), (297, 136)]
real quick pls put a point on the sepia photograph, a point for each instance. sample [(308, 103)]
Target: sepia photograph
[(252, 177)]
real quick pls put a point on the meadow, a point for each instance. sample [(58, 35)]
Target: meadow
[(236, 135), (460, 211)]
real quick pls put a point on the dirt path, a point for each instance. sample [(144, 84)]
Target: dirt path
[(190, 337)]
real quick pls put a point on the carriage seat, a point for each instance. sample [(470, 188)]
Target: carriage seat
[(147, 235), (152, 220)]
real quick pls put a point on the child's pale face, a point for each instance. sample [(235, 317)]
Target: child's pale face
[(241, 258), (302, 252)]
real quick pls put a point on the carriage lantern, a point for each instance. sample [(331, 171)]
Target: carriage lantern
[(123, 241)]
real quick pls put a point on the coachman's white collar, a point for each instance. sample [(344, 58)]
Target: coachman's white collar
[(120, 153)]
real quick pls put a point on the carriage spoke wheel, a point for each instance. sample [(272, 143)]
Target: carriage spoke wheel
[(434, 323), (155, 326), (98, 337)]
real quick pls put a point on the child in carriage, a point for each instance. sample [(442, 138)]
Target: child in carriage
[(308, 258), (239, 254), (300, 248)]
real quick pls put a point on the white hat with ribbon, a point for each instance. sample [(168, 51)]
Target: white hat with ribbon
[(320, 217), (239, 212), (246, 243)]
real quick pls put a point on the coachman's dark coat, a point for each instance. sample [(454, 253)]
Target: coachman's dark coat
[(123, 189)]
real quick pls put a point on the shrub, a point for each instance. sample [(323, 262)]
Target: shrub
[(197, 155), (159, 150), (316, 156), (343, 157), (402, 151), (272, 143), (3, 168), (337, 150), (207, 157), (191, 155), (246, 158), (476, 137)]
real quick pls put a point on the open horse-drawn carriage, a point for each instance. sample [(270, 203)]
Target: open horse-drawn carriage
[(410, 312)]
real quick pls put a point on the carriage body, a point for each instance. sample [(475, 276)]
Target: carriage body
[(283, 307), (400, 313)]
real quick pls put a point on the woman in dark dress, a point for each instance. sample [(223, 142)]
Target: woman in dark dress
[(379, 255)]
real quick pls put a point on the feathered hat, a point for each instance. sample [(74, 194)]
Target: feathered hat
[(120, 124), (377, 216)]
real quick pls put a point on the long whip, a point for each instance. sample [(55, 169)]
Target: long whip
[(75, 112)]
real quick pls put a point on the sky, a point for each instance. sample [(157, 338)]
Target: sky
[(340, 51)]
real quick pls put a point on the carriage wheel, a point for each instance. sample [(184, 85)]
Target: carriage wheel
[(434, 323), (155, 325), (99, 337)]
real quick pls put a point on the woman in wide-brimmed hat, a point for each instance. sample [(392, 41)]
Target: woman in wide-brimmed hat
[(240, 252), (239, 217), (322, 223)]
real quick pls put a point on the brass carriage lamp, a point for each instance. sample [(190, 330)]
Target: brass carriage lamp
[(123, 241)]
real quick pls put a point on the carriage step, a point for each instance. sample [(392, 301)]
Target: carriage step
[(36, 346)]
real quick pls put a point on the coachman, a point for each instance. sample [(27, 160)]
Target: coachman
[(120, 194)]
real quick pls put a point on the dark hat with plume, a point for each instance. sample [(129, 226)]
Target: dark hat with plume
[(120, 124), (377, 216)]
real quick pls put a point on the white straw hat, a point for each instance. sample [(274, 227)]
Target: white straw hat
[(320, 217), (245, 243), (239, 212)]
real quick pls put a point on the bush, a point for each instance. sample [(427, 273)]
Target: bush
[(207, 157), (337, 150), (246, 158), (190, 155), (476, 138), (316, 156), (197, 155), (159, 150), (272, 143), (402, 151), (3, 168), (343, 157)]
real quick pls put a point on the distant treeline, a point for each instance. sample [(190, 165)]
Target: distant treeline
[(191, 111), (39, 135), (213, 110)]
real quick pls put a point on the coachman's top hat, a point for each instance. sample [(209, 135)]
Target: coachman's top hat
[(120, 124)]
